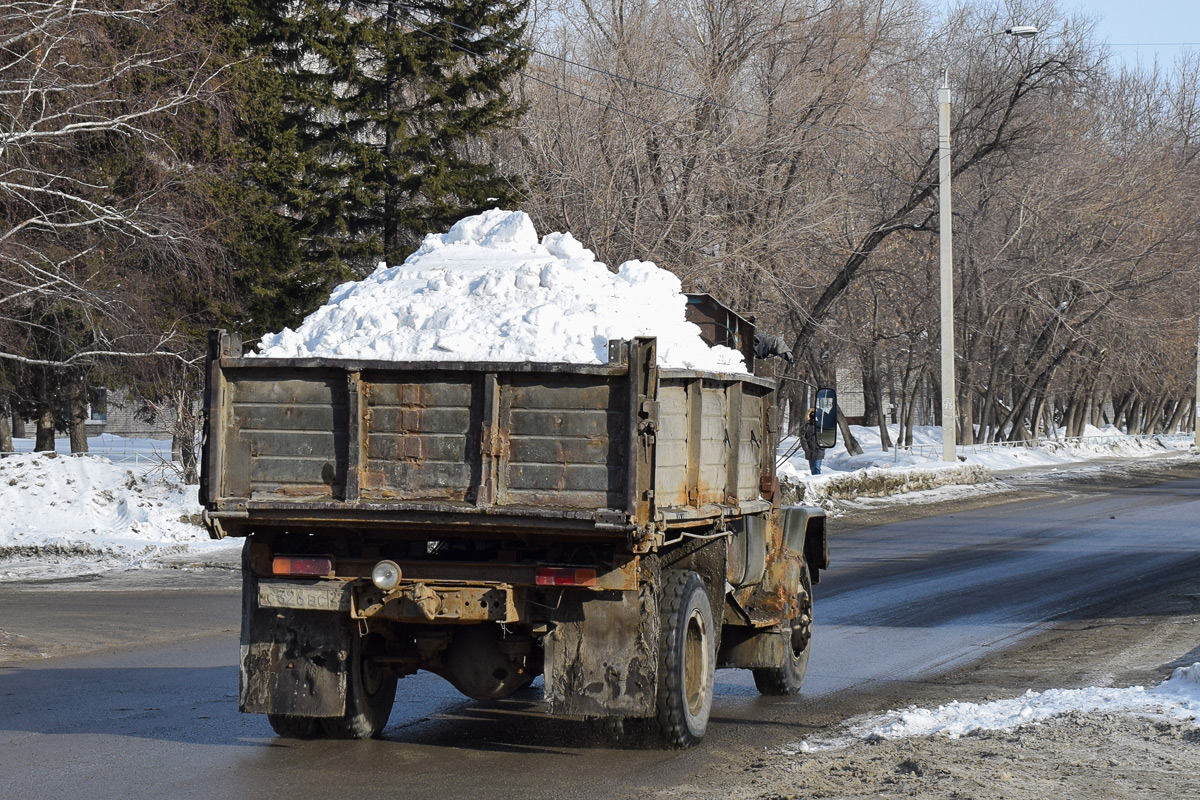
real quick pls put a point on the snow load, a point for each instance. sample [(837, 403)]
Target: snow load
[(488, 290)]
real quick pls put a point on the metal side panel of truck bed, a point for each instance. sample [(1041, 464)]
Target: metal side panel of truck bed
[(623, 448)]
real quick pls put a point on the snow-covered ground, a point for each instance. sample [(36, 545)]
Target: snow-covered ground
[(1176, 698), (64, 515), (118, 449)]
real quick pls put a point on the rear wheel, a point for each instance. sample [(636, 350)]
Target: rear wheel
[(687, 660), (289, 726), (787, 678), (370, 694)]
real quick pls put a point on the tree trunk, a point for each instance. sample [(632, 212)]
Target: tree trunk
[(1035, 419), (6, 439), (191, 463), (987, 416), (870, 384), (966, 420), (852, 445), (18, 425), (1181, 407), (912, 417), (1122, 411), (798, 409), (77, 413), (1137, 419), (44, 441), (873, 396)]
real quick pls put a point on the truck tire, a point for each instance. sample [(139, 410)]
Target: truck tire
[(788, 676), (288, 726), (370, 694), (686, 659)]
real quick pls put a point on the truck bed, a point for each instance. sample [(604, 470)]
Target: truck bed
[(600, 449)]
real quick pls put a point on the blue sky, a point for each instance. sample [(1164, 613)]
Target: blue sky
[(1148, 22)]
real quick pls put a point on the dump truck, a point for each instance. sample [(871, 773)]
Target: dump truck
[(614, 528)]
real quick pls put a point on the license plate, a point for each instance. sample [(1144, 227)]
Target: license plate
[(325, 596)]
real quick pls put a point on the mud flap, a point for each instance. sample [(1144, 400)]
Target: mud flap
[(292, 661), (804, 532), (602, 655), (750, 649)]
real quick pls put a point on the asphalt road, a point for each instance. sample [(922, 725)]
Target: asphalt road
[(152, 711)]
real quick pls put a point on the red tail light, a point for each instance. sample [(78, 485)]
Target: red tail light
[(307, 567), (565, 576)]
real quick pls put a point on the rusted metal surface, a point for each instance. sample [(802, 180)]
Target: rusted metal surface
[(749, 648), (747, 560), (360, 439), (804, 532), (775, 597), (420, 602), (722, 326)]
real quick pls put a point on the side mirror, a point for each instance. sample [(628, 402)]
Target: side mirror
[(827, 418)]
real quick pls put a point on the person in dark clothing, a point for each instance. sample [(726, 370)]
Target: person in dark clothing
[(766, 346), (808, 441)]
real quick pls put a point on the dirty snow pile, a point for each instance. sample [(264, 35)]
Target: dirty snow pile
[(1177, 698), (72, 515), (489, 290)]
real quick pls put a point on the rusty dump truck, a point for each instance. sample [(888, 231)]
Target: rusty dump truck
[(614, 527)]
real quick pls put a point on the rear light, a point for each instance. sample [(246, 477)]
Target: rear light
[(386, 575), (307, 567), (564, 576)]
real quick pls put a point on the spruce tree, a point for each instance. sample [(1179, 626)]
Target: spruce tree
[(276, 276), (440, 85), (389, 105)]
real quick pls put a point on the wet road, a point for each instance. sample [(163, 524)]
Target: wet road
[(903, 600)]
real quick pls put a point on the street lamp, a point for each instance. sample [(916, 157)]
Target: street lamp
[(946, 255)]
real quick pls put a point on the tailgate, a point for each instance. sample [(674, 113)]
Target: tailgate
[(466, 436)]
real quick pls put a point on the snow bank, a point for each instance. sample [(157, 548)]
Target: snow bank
[(1176, 698), (879, 473), (488, 290), (73, 515), (876, 482)]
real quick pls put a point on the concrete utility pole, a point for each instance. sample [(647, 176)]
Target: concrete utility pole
[(946, 259), (946, 273)]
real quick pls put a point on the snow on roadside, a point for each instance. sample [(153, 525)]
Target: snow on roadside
[(884, 482), (489, 290), (1177, 698), (878, 473), (78, 515)]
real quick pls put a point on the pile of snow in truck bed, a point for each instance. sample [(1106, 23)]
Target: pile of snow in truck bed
[(490, 291)]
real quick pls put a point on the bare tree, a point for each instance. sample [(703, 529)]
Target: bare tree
[(91, 97)]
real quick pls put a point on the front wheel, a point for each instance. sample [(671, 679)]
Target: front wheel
[(687, 659), (370, 694), (788, 676)]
